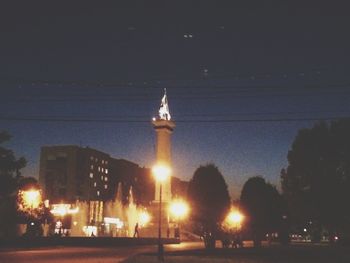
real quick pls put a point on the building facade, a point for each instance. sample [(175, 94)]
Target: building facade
[(69, 173)]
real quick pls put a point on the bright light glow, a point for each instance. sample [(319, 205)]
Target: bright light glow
[(144, 218), (31, 198), (234, 219), (114, 220), (179, 209), (90, 231), (63, 209), (161, 172)]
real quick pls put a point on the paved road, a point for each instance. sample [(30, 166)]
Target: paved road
[(185, 252), (85, 254)]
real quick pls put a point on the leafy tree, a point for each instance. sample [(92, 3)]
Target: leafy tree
[(263, 206), (9, 177), (316, 182), (209, 200), (9, 167)]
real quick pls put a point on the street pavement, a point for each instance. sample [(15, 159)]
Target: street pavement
[(184, 252), (86, 254)]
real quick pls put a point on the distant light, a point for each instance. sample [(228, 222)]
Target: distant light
[(63, 209), (32, 223), (234, 219), (144, 218), (305, 230), (31, 198), (90, 230), (161, 172), (112, 220), (179, 209), (335, 238), (153, 119)]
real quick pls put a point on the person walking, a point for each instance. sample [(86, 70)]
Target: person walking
[(136, 231)]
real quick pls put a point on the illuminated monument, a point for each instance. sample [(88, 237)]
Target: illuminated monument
[(164, 126)]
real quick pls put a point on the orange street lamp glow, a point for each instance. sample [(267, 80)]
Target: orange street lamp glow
[(179, 209), (234, 219), (31, 198), (161, 172), (144, 218)]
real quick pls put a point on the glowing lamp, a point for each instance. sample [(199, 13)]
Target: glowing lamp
[(161, 172), (234, 219), (179, 209), (144, 218), (31, 198)]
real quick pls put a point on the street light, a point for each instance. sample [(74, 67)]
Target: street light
[(234, 219), (144, 218), (31, 198), (179, 209), (161, 174)]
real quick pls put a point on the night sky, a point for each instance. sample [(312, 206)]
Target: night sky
[(241, 79)]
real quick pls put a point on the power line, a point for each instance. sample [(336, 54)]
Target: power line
[(178, 120)]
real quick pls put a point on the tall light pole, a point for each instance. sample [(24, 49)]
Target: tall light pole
[(161, 174)]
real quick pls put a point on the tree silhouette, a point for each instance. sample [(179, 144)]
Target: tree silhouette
[(316, 182), (209, 200), (9, 178), (9, 167), (263, 206)]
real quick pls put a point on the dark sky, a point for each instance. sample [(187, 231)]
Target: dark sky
[(242, 79)]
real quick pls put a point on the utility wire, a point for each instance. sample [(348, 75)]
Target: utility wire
[(3, 118)]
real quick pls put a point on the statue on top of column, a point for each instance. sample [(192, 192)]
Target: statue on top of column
[(164, 113)]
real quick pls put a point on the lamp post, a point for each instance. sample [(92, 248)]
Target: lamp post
[(161, 173)]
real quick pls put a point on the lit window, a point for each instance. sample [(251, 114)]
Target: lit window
[(96, 160), (91, 175), (102, 177), (95, 184), (103, 161), (106, 170), (106, 178), (106, 186), (98, 193), (92, 166), (106, 162), (103, 169), (91, 158)]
